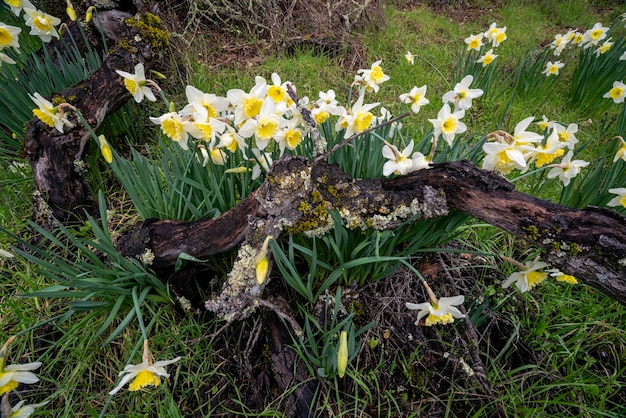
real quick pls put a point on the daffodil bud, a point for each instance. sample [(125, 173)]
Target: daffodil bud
[(236, 170), (89, 13), (261, 264), (70, 11), (105, 149), (342, 354)]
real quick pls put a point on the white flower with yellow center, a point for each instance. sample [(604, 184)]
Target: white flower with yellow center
[(137, 84), (358, 119), (560, 42), (566, 135), (372, 78), (529, 277), (264, 126), (51, 115), (524, 137), (42, 24), (620, 199), (203, 105), (617, 92), (12, 375), (399, 162), (146, 373), (439, 310), (594, 35), (416, 97), (18, 5), (567, 169), (604, 48), (177, 128), (552, 68), (247, 105), (495, 35), (462, 95), (24, 411), (410, 58), (9, 36), (231, 140), (553, 149), (621, 151), (448, 124), (474, 42), (545, 123), (487, 58), (277, 90), (210, 128), (290, 136)]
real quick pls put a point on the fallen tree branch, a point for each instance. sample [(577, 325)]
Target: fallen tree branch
[(296, 196)]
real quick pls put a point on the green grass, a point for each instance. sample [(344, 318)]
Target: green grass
[(576, 334)]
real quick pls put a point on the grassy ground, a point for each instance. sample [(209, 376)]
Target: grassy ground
[(558, 351)]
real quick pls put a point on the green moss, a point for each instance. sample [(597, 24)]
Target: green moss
[(303, 207), (574, 249), (149, 26), (127, 46), (531, 232)]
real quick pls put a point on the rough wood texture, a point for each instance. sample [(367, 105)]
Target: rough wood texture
[(589, 244), (57, 158)]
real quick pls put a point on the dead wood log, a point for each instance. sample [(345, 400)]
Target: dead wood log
[(57, 158), (589, 244)]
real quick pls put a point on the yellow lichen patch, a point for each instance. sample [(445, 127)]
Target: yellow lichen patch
[(149, 26)]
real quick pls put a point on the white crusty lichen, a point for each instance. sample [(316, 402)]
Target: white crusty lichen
[(402, 213), (147, 258)]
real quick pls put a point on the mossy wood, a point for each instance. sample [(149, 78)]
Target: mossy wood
[(589, 244)]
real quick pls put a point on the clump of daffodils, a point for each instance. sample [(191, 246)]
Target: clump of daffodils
[(146, 373), (438, 310)]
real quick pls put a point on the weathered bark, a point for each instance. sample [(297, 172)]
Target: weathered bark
[(589, 244), (57, 158)]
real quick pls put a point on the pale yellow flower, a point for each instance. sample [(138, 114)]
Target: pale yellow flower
[(617, 92), (342, 354), (440, 311), (620, 199), (137, 84), (527, 278), (42, 24), (12, 375), (9, 36), (146, 373)]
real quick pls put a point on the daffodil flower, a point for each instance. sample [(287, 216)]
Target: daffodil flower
[(247, 105), (503, 157), (201, 105), (18, 5), (357, 119), (522, 136), (137, 84), (474, 42), (24, 411), (448, 123), (487, 58), (416, 98), (562, 277), (621, 152), (566, 135), (552, 68), (439, 310), (495, 35), (604, 48), (146, 373), (620, 199), (51, 115), (9, 36), (177, 128), (12, 375), (277, 90), (617, 92), (594, 35), (42, 24), (264, 126), (399, 162), (462, 95), (290, 136), (371, 79), (529, 277), (410, 58), (553, 149), (567, 169)]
